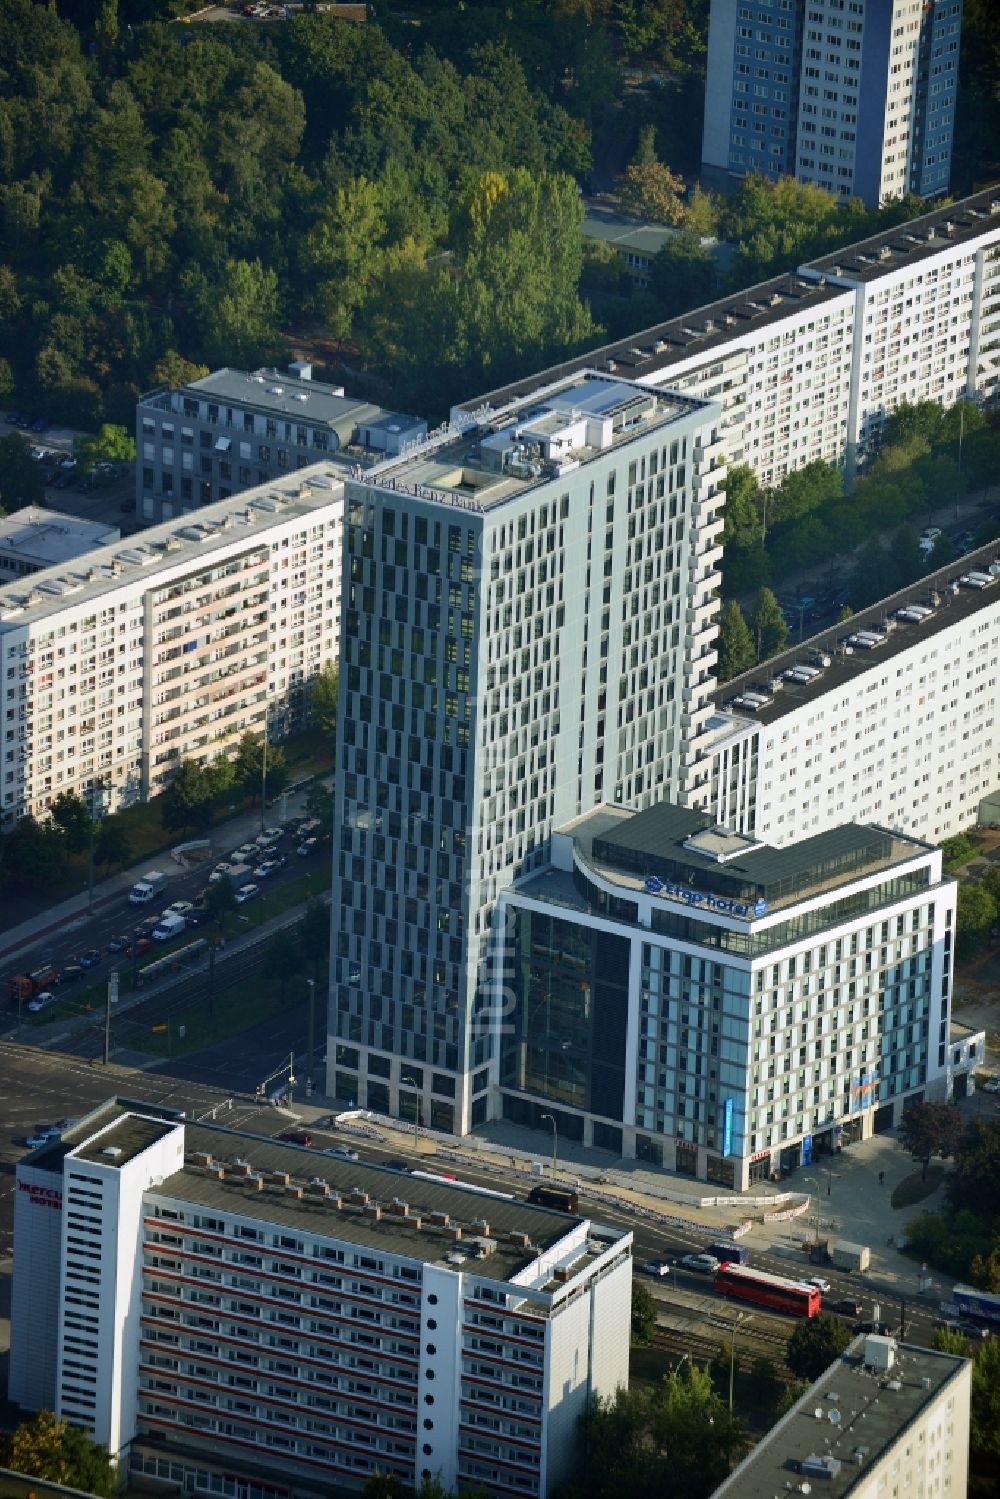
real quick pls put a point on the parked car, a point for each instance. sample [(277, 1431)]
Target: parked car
[(71, 973), (118, 944), (308, 847), (138, 947), (819, 1282), (397, 1165), (34, 1141), (198, 915), (148, 927), (271, 835), (970, 1329), (244, 852), (705, 1264), (40, 1001), (180, 907), (992, 1085), (245, 893), (657, 1268), (296, 1137), (90, 958), (269, 866), (223, 867)]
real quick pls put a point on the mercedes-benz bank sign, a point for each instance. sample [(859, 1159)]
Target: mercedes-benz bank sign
[(719, 903)]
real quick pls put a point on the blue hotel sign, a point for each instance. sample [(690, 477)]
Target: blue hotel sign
[(746, 909), (727, 1127)]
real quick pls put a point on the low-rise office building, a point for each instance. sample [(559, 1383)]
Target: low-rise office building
[(673, 991), (221, 1309), (34, 538), (169, 645), (888, 718), (233, 429), (885, 1418)]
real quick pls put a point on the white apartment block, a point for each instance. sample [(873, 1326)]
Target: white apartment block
[(168, 646), (808, 365), (233, 429), (684, 995), (236, 1315), (35, 538), (857, 96), (886, 1418), (889, 718)]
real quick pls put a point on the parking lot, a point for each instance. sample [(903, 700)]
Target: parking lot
[(110, 500)]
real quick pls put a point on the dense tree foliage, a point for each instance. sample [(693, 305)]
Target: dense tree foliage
[(965, 1241), (643, 1314), (930, 1129), (672, 1440), (49, 1449), (735, 644), (815, 1344)]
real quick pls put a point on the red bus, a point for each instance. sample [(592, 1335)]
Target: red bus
[(772, 1291)]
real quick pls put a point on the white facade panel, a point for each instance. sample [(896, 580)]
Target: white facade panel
[(35, 1296)]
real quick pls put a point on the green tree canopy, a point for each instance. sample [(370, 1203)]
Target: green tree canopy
[(735, 644), (187, 801), (71, 815), (930, 1129), (975, 915), (313, 933), (59, 1453), (34, 854), (768, 626), (251, 769), (324, 696), (111, 445), (672, 1440), (814, 1345), (643, 1314), (112, 844), (22, 480)]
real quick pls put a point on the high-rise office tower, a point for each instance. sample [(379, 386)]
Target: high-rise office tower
[(857, 96), (528, 630)]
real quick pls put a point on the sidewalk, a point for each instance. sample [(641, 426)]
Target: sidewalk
[(73, 914)]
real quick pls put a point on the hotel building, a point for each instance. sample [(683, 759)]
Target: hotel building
[(529, 626), (168, 646), (685, 995), (235, 1315)]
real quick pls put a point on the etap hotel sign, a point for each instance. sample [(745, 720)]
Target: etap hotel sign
[(720, 903), (45, 1197)]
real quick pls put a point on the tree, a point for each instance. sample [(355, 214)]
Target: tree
[(976, 913), (220, 898), (35, 854), (815, 1344), (643, 1314), (22, 481), (71, 816), (650, 190), (240, 315), (112, 844), (673, 1440), (984, 1409), (974, 1181), (768, 626), (909, 560), (173, 370), (735, 644), (282, 959), (324, 694), (930, 1129), (60, 1453), (683, 274), (111, 445), (319, 803), (250, 767), (187, 801), (313, 933), (743, 515)]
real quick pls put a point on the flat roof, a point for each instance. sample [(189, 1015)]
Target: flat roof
[(49, 537), (488, 460), (955, 603), (278, 392), (845, 1424), (312, 1213), (667, 841), (127, 1137), (914, 240), (711, 327), (192, 537)]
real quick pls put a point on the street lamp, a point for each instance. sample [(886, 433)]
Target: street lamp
[(411, 1082), (555, 1138), (741, 1317), (95, 787), (311, 1036)]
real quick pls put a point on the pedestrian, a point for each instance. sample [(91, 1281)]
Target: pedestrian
[(881, 1178)]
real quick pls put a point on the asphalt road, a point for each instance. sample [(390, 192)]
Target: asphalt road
[(38, 1087), (119, 918)]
